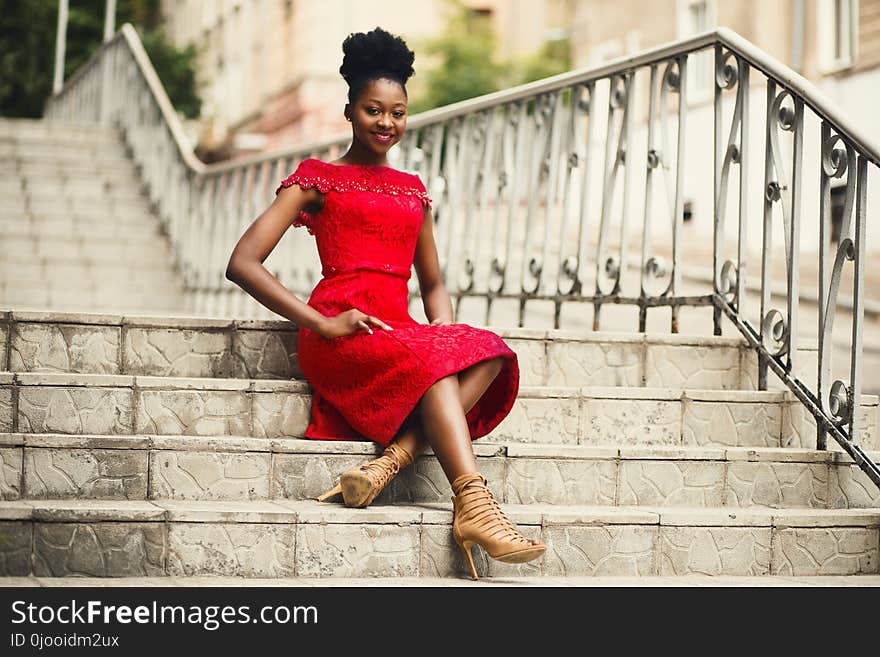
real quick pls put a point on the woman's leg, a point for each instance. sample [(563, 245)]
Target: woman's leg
[(472, 383), (445, 428), (360, 485), (477, 517)]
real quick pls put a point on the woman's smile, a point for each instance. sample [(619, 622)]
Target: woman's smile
[(383, 137)]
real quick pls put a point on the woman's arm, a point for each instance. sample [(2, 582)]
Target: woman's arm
[(246, 269), (435, 298)]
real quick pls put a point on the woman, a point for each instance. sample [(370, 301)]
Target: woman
[(376, 373)]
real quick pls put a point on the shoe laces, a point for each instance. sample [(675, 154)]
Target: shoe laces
[(485, 512), (382, 469)]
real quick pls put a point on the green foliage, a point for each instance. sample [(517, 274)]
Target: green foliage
[(467, 62), (552, 59), (27, 50), (468, 66), (176, 69), (27, 55)]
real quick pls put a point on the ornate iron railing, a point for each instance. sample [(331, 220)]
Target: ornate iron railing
[(526, 211)]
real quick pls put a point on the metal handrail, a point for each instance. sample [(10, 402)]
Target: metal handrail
[(818, 101)]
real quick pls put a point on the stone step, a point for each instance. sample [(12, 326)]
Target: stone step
[(82, 293), (57, 538), (10, 186), (84, 206), (29, 144), (88, 299), (116, 171), (121, 210), (31, 175), (60, 129), (58, 153), (23, 268), (94, 248), (96, 302), (130, 218), (200, 347), (119, 404), (73, 274), (70, 152), (96, 228), (208, 581), (41, 147), (56, 159), (84, 183), (96, 192), (157, 287), (59, 466), (41, 225)]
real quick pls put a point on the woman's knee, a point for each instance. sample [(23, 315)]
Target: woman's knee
[(489, 369), (439, 387), (496, 364)]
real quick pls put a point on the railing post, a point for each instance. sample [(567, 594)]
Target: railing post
[(742, 241), (677, 216), (767, 241), (858, 296), (60, 46)]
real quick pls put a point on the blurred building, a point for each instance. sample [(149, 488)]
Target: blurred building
[(268, 70), (833, 43)]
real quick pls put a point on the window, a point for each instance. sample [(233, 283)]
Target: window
[(695, 16), (837, 24), (613, 48)]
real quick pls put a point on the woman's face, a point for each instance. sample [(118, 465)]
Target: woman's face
[(378, 117)]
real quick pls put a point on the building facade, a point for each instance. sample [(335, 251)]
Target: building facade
[(268, 70)]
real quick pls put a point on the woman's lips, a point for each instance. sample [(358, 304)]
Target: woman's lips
[(382, 138)]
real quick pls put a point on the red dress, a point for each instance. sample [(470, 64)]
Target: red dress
[(365, 385)]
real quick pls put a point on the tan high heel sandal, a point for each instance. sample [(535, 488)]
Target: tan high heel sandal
[(477, 518), (361, 485)]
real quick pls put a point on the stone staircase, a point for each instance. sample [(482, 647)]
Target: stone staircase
[(76, 228), (167, 447)]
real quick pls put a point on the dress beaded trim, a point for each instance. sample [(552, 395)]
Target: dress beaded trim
[(355, 178)]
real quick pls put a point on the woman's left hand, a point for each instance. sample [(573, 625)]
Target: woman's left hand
[(441, 322)]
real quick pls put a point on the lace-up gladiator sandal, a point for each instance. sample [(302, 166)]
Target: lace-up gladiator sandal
[(362, 484), (477, 518)]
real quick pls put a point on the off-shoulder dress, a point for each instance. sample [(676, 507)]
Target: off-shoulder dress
[(365, 385)]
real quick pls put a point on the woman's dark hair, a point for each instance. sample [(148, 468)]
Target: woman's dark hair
[(369, 56)]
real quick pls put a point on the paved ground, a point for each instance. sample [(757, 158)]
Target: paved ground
[(691, 580)]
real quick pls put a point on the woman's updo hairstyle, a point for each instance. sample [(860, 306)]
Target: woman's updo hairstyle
[(369, 56)]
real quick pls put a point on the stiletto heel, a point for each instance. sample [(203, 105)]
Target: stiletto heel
[(466, 551), (333, 492), (477, 518), (361, 485)]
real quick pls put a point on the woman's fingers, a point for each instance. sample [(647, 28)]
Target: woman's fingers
[(378, 322), (385, 326), (366, 320)]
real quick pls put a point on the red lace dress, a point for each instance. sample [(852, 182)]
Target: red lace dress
[(365, 385)]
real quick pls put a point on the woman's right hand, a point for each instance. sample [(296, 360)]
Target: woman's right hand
[(350, 321)]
